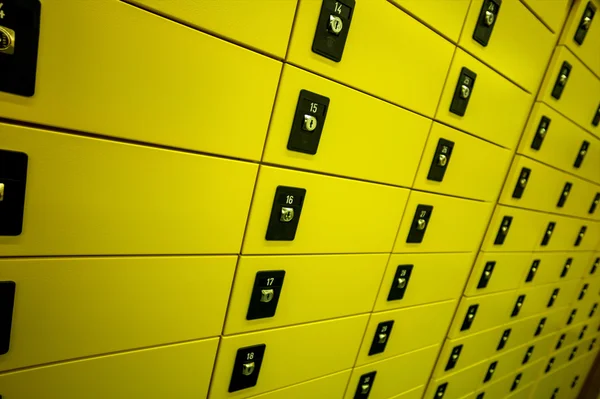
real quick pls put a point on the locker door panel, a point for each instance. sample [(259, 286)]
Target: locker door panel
[(458, 385), (69, 308), (494, 272), (182, 89), (332, 386), (314, 288), (115, 198), (338, 215), (180, 370), (552, 13), (513, 229), (587, 51)]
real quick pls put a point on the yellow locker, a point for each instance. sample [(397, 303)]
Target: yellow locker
[(552, 13), (551, 384), (393, 376), (401, 60), (533, 185), (515, 30), (580, 95), (537, 299), (331, 386), (291, 355), (315, 287), (92, 196), (513, 229), (569, 290), (494, 272), (552, 267), (362, 136), (559, 142), (453, 225), (501, 124), (585, 48), (338, 215), (264, 25), (415, 393), (482, 312), (181, 371), (456, 385), (407, 329), (443, 16), (450, 271), (514, 382), (466, 168), (183, 88), (69, 308), (568, 234), (557, 319), (522, 393)]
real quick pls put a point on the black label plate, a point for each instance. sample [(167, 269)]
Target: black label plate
[(584, 23), (7, 303), (583, 150), (365, 385), (441, 159), (419, 224), (521, 183), (535, 265), (265, 294), (540, 133), (463, 91), (548, 233), (13, 180), (503, 230), (308, 123), (561, 80), (333, 27), (381, 337), (595, 203), (564, 195), (285, 213), (453, 358), (400, 282), (469, 317), (488, 15), (246, 367), (486, 274)]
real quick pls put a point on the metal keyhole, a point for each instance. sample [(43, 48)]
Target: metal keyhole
[(542, 132), (7, 40), (335, 24), (267, 295), (248, 368), (562, 79), (523, 182), (465, 91), (421, 223), (489, 18), (310, 123), (442, 160), (287, 214)]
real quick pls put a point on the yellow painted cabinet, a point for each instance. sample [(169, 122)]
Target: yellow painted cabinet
[(562, 233), (552, 13), (291, 355), (585, 47), (88, 196), (181, 371), (183, 88), (331, 386), (66, 308), (456, 385), (451, 224), (265, 25), (501, 124), (361, 137), (401, 61), (466, 172), (515, 31), (315, 287), (551, 267), (494, 272), (337, 215), (512, 229), (450, 271)]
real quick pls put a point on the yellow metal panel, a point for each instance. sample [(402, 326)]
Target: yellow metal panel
[(544, 188), (443, 16), (516, 31), (556, 320), (416, 393), (332, 386), (551, 12), (548, 383), (490, 88), (114, 198), (523, 393), (459, 384), (536, 299), (565, 234), (338, 215), (455, 225), (401, 60), (80, 316), (581, 94), (308, 293), (506, 363), (450, 271), (265, 24), (174, 371), (510, 270), (569, 291), (502, 387), (588, 50), (393, 138), (182, 89), (525, 231), (292, 354), (524, 330), (561, 144), (551, 265), (414, 328), (493, 310), (397, 374), (467, 172)]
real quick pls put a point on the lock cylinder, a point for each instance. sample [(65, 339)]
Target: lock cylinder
[(7, 40)]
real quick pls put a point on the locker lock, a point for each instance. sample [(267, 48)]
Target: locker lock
[(548, 233), (571, 316), (595, 203), (265, 294), (486, 275), (441, 157), (453, 359), (335, 24), (469, 317), (503, 339), (381, 337), (440, 390), (585, 145), (400, 282), (540, 134), (503, 230), (488, 15), (246, 367), (521, 183), (7, 40), (584, 23), (564, 195), (560, 341), (561, 80), (540, 327), (532, 271), (333, 27), (285, 213), (580, 235), (490, 371), (518, 306), (365, 383), (516, 382), (419, 224), (566, 267), (528, 354), (308, 123), (463, 91), (582, 292)]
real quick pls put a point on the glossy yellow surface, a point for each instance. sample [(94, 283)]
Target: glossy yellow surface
[(493, 310), (551, 12), (510, 270), (396, 375), (588, 50), (362, 137), (332, 386), (565, 234), (553, 264), (581, 94), (524, 234), (414, 328), (318, 349), (502, 387), (455, 225), (139, 201), (81, 318), (508, 117), (309, 278), (516, 31), (119, 83), (338, 215), (451, 271), (460, 383), (561, 144), (401, 60), (264, 25), (181, 370), (467, 172), (445, 17)]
